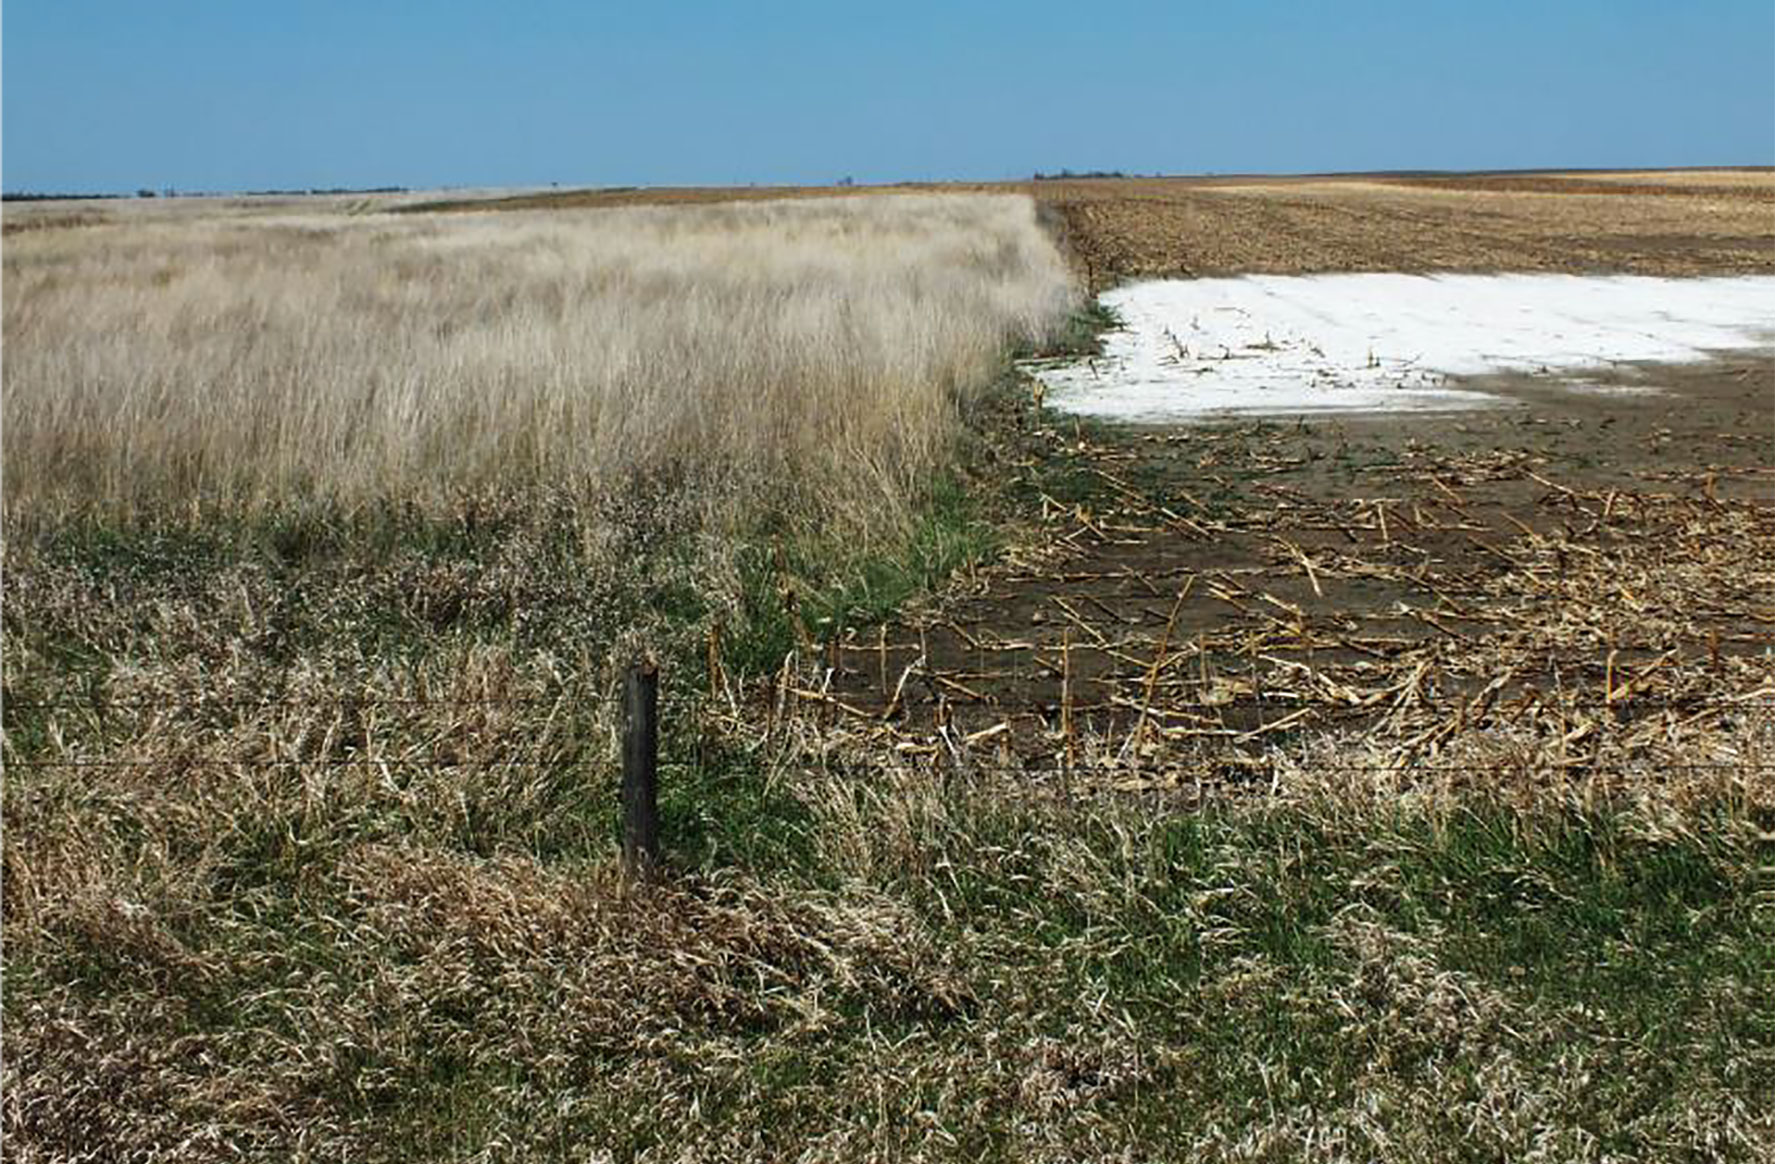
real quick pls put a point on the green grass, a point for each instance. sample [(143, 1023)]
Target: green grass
[(721, 808), (795, 589), (1083, 333)]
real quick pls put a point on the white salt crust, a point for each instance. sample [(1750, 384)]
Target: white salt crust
[(1301, 344)]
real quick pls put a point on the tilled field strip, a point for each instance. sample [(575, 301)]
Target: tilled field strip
[(1161, 631)]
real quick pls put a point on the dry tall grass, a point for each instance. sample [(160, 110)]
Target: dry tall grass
[(234, 360), (434, 428)]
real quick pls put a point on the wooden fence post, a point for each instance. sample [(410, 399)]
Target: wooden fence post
[(640, 769)]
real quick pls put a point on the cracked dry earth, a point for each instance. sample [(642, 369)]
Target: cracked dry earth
[(1593, 572)]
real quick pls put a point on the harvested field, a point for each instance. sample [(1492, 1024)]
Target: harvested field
[(1215, 600), (1587, 575), (1122, 229)]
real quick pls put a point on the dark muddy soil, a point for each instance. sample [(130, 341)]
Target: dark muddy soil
[(1605, 551)]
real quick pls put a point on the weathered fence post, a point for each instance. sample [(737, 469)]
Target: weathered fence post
[(640, 769)]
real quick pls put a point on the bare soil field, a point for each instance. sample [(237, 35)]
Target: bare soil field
[(1588, 574), (1674, 225), (1583, 573)]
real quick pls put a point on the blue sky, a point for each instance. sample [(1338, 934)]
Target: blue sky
[(103, 95)]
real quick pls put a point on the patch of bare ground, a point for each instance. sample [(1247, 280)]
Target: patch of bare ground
[(1139, 228), (1588, 572), (1585, 572)]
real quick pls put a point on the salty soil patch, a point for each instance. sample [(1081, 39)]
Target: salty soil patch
[(1290, 345)]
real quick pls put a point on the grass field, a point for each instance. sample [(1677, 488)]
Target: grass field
[(356, 509), (324, 535), (260, 361)]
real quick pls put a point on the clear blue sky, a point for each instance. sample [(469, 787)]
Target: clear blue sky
[(240, 94)]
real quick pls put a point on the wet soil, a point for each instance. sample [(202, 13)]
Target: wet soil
[(1604, 550)]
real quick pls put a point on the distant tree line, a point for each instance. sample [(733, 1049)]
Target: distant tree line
[(1060, 174), (332, 190), (44, 196), (169, 192)]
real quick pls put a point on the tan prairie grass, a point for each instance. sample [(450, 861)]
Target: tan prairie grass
[(268, 720), (235, 362)]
